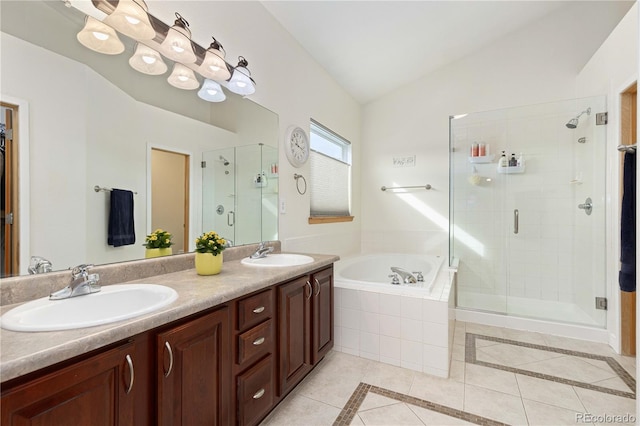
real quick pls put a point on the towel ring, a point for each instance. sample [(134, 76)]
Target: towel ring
[(297, 177)]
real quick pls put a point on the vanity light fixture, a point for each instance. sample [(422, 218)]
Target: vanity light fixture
[(131, 19), (147, 61), (211, 91), (214, 66), (100, 37), (177, 44), (183, 77), (241, 81)]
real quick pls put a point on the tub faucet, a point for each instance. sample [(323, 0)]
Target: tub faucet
[(407, 277), (262, 251), (82, 282), (39, 265)]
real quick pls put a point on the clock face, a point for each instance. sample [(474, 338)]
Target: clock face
[(297, 147)]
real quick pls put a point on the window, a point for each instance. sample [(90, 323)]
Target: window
[(330, 161)]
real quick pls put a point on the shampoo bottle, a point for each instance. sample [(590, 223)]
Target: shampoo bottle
[(520, 160), (512, 160)]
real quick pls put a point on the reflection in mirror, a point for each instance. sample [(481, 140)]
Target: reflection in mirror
[(236, 183), (95, 121)]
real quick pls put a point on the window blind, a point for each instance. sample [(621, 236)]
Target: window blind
[(329, 186)]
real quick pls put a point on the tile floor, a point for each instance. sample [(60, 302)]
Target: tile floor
[(498, 376)]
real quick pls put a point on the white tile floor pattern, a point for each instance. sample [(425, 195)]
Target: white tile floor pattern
[(514, 377)]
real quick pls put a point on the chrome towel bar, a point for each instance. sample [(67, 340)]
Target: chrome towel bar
[(104, 189), (628, 148), (427, 186)]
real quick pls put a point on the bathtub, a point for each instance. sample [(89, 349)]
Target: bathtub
[(408, 325), (369, 271)]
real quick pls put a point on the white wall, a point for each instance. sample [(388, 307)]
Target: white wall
[(517, 70), (610, 71)]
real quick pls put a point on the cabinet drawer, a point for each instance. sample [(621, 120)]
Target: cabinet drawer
[(256, 342), (256, 392), (255, 309)]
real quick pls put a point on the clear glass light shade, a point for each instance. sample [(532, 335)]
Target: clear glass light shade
[(211, 91), (214, 66), (177, 45), (147, 61), (131, 19), (241, 82), (183, 78), (100, 37)]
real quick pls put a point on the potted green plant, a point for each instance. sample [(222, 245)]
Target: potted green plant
[(209, 247), (158, 243)]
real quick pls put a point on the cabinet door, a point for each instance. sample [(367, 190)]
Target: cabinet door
[(322, 314), (96, 391), (295, 332), (193, 372)]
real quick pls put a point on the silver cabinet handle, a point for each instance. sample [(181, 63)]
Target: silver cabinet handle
[(310, 290), (259, 341), (516, 217), (168, 346), (318, 286), (258, 310), (258, 394), (131, 373)]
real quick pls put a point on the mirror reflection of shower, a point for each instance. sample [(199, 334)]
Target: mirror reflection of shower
[(573, 123), (224, 160)]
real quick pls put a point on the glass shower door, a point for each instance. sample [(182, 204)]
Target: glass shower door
[(538, 255), (219, 193)]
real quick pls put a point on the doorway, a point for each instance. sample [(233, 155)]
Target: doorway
[(9, 252), (628, 136), (170, 196)]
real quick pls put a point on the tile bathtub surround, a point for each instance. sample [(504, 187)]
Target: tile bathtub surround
[(369, 392), (414, 332), (28, 287)]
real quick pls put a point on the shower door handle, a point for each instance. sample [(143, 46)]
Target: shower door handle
[(231, 218), (516, 217)]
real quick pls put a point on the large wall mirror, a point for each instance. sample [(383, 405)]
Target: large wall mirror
[(83, 120)]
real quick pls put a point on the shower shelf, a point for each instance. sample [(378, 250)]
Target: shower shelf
[(511, 170), (479, 160)]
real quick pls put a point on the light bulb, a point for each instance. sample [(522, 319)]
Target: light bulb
[(132, 20), (100, 36), (148, 59)]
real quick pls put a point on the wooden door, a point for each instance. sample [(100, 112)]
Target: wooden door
[(9, 176), (194, 372), (322, 314), (294, 316), (97, 391), (170, 196)]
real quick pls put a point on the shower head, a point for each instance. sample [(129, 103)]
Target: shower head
[(224, 160), (573, 123)]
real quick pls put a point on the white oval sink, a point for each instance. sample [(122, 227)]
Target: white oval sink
[(278, 260), (113, 303)]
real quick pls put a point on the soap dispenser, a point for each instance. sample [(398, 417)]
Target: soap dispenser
[(503, 160)]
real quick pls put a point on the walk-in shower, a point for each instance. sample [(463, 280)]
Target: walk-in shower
[(525, 244)]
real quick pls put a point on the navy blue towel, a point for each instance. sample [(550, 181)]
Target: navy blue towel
[(627, 277), (121, 227)]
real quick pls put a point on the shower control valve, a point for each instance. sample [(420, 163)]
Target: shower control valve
[(394, 279), (419, 276)]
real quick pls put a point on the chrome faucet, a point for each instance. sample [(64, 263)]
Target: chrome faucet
[(82, 282), (407, 277), (39, 265), (262, 251)]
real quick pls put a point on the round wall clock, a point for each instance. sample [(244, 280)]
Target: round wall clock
[(296, 146)]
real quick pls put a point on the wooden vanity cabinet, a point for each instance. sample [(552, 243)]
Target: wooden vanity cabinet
[(254, 349), (305, 321), (228, 365), (193, 371), (99, 390)]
